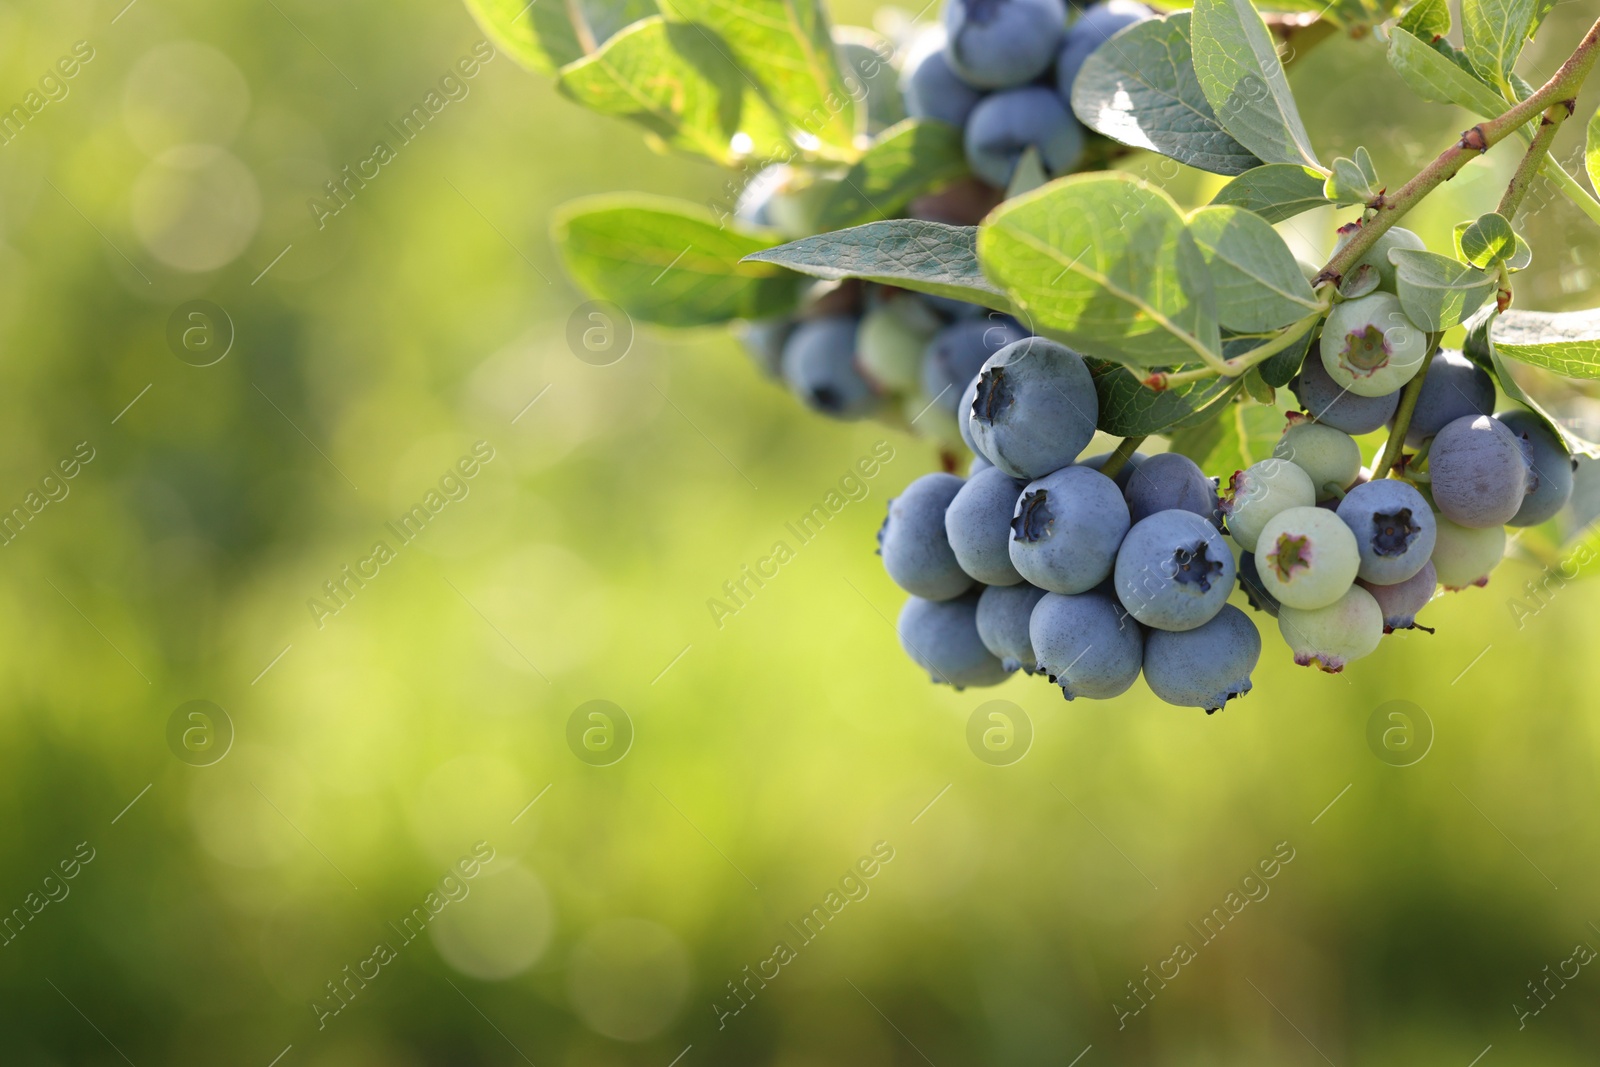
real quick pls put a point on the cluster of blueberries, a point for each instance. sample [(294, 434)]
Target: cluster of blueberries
[(1040, 561), (1002, 72)]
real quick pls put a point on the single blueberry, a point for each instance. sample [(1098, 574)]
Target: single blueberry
[(941, 636), (1550, 467), (1453, 387), (1066, 529), (1478, 472), (1394, 527), (995, 44), (1204, 667), (931, 87), (1331, 405), (1035, 408), (916, 551), (1401, 601), (978, 523), (1003, 614), (1174, 571), (1169, 481), (819, 363), (1087, 645)]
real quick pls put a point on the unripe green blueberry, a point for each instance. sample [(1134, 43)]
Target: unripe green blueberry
[(1370, 347), (1330, 457), (1378, 255), (1307, 557), (1259, 492), (1336, 634), (1464, 556), (889, 351)]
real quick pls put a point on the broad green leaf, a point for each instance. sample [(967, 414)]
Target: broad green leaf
[(1143, 92), (1436, 291), (1482, 346), (1129, 409), (1567, 343), (907, 160), (1259, 285), (1240, 73), (1488, 241), (786, 46), (928, 257), (1592, 151), (669, 262), (1353, 182), (1105, 262), (1276, 191), (1495, 31), (544, 37), (1436, 79), (1427, 19), (1241, 434), (677, 82)]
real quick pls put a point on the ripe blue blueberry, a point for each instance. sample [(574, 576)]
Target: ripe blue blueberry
[(1066, 530), (1204, 667), (978, 523), (1550, 468), (1331, 636), (1394, 528), (1307, 558), (1174, 571), (1331, 458), (941, 636), (995, 44), (1003, 615), (932, 88), (1005, 125), (1370, 347), (1087, 645), (1464, 555), (1479, 472), (1097, 25), (1035, 408), (1331, 405), (1453, 387), (1169, 481), (819, 363), (1401, 601), (915, 549), (958, 352)]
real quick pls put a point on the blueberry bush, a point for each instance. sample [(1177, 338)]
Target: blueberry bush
[(930, 228)]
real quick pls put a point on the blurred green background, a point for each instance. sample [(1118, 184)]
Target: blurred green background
[(371, 755)]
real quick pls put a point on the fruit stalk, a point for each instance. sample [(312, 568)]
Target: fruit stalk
[(1120, 457), (1532, 160), (1561, 90), (1402, 415)]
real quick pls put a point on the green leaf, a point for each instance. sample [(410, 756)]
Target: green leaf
[(1436, 291), (669, 262), (928, 257), (1592, 152), (1483, 347), (1495, 31), (1241, 75), (1242, 434), (675, 81), (1353, 182), (907, 160), (786, 46), (1105, 262), (545, 37), (1276, 191), (1259, 285), (1427, 19), (1143, 92), (1436, 79), (1487, 241), (1129, 409), (1567, 343)]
